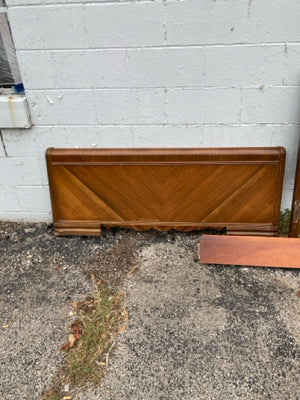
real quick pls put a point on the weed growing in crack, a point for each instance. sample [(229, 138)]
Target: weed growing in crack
[(284, 222), (93, 335), (91, 340)]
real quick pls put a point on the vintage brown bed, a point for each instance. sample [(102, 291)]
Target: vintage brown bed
[(183, 189)]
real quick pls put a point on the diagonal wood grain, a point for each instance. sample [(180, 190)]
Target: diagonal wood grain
[(78, 200), (233, 188)]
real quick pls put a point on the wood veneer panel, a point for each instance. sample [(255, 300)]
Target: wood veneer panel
[(252, 251), (181, 189)]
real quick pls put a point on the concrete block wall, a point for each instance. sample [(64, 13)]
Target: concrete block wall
[(149, 73)]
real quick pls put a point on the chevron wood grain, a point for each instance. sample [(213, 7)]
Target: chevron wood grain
[(183, 189)]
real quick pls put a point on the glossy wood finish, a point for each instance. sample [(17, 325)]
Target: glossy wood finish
[(295, 214), (181, 189), (252, 251)]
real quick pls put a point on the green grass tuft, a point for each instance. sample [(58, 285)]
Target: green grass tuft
[(51, 395), (284, 223), (91, 340), (87, 358)]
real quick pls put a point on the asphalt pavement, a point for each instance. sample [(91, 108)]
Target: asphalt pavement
[(195, 331)]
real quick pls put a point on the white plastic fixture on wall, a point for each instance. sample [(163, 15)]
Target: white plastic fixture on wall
[(14, 112)]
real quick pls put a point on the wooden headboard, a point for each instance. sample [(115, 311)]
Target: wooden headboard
[(182, 189)]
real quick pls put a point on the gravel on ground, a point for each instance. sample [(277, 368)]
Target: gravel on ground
[(195, 331)]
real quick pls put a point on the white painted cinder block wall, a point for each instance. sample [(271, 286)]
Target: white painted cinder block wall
[(160, 73)]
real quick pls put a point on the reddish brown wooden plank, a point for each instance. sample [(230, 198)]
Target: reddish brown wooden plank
[(252, 251), (183, 189)]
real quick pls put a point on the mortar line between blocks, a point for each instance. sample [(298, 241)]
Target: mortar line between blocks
[(161, 46), (159, 88), (78, 3), (160, 125)]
